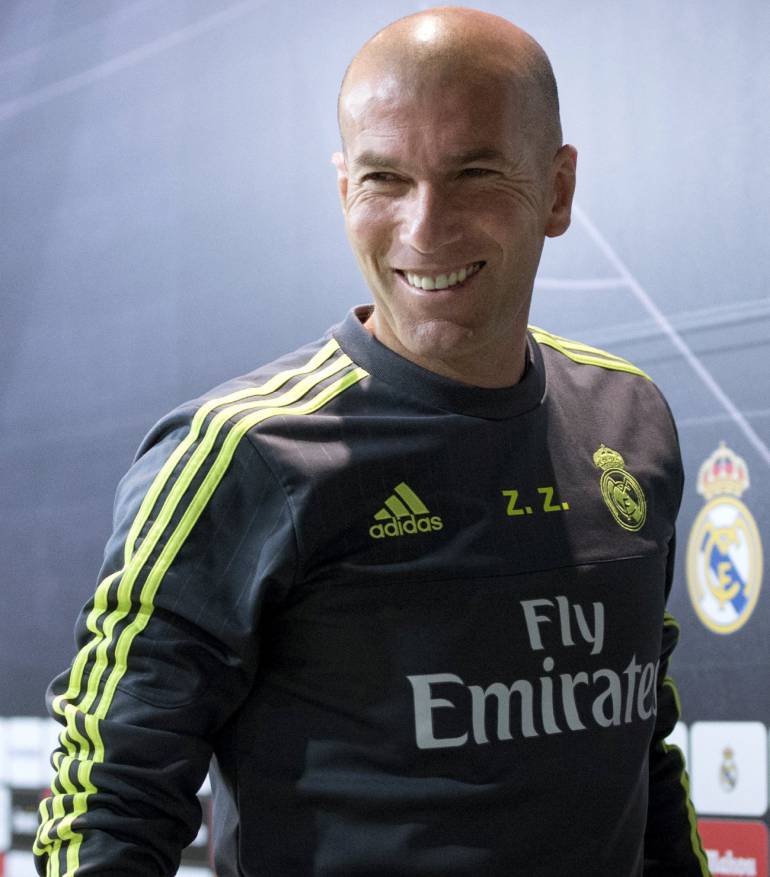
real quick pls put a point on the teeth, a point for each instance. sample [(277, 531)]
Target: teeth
[(442, 281)]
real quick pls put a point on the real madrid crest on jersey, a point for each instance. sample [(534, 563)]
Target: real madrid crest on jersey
[(724, 553), (620, 490)]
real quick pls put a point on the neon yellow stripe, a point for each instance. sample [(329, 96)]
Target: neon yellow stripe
[(59, 822), (414, 502), (78, 665), (52, 869), (74, 734), (42, 818), (124, 604), (668, 682), (43, 840), (124, 589), (266, 389), (589, 356), (46, 821), (68, 737), (63, 820), (397, 507), (59, 813), (100, 603), (148, 503), (65, 830), (94, 733), (193, 512), (670, 621), (595, 361), (189, 518), (73, 855), (697, 846), (600, 355), (692, 818), (578, 345), (580, 348), (42, 835), (193, 465), (63, 765)]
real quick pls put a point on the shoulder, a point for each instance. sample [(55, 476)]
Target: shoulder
[(608, 406), (298, 383), (208, 451), (580, 374), (575, 354), (590, 384)]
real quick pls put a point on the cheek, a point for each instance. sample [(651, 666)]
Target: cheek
[(514, 229), (371, 226)]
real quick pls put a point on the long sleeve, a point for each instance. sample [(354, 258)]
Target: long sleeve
[(202, 542), (672, 845)]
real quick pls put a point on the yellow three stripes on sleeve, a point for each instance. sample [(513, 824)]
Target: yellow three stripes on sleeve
[(585, 354), (692, 818), (81, 738)]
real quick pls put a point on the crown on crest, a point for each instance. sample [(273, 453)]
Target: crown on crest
[(724, 472), (605, 458)]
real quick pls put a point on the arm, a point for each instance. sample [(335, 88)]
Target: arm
[(672, 847), (167, 650)]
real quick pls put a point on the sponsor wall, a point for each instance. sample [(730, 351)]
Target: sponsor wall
[(176, 223)]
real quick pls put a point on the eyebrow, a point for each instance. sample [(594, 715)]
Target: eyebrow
[(369, 158), (483, 154), (372, 159)]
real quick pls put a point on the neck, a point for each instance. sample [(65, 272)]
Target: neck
[(474, 370)]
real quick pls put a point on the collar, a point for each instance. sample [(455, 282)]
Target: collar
[(409, 379)]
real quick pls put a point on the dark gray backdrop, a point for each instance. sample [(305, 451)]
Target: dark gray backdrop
[(170, 219)]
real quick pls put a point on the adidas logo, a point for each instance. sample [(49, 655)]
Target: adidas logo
[(403, 514)]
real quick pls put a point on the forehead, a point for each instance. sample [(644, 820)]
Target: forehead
[(435, 115)]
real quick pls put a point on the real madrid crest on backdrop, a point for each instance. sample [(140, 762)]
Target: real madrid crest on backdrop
[(724, 552), (728, 771)]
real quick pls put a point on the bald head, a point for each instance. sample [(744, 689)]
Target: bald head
[(451, 43)]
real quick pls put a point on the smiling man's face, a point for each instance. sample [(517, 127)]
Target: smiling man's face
[(447, 199)]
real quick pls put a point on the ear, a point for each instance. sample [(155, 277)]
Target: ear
[(338, 160), (562, 191)]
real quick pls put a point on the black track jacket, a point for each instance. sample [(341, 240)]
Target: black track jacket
[(416, 627)]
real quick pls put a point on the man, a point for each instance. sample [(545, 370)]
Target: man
[(407, 584)]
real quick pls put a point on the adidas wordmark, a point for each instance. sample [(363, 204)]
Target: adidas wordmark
[(404, 514)]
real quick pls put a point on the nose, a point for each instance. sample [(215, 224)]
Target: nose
[(429, 221)]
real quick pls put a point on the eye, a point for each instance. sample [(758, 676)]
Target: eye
[(380, 177), (477, 172)]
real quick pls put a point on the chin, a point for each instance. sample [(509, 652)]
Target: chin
[(440, 339)]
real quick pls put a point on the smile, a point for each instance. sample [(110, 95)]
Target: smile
[(441, 281)]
